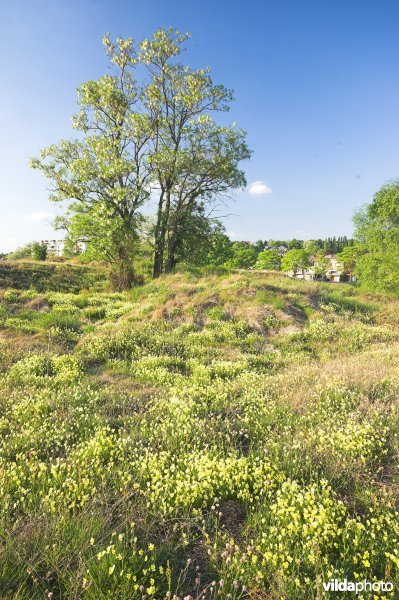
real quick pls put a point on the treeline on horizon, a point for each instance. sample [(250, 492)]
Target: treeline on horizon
[(216, 250), (372, 256), (330, 244)]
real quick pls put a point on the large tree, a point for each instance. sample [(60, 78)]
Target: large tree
[(106, 173), (147, 131)]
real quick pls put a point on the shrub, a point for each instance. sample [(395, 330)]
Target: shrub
[(40, 369)]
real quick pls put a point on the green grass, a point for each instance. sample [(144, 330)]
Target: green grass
[(49, 276), (224, 436)]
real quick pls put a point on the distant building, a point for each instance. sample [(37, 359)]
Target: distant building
[(57, 247), (282, 250), (81, 246), (334, 271)]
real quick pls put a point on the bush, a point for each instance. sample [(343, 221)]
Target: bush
[(39, 251), (39, 369)]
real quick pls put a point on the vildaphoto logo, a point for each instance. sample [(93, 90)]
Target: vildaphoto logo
[(343, 585)]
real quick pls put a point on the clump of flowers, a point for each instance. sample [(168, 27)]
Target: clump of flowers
[(41, 369)]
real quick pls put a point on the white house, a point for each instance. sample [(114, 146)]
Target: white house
[(56, 247), (81, 245), (333, 272)]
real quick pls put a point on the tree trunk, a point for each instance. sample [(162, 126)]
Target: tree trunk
[(122, 275), (160, 234), (171, 260), (157, 267), (171, 245)]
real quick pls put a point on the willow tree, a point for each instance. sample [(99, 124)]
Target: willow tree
[(147, 131)]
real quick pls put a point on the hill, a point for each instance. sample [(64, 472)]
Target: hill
[(216, 437), (49, 276)]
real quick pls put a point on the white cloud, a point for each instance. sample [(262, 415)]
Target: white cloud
[(259, 188), (232, 234), (39, 217)]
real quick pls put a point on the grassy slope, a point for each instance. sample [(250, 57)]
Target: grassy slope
[(48, 276), (223, 437)]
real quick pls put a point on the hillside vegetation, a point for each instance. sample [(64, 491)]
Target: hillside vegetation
[(49, 276), (217, 437)]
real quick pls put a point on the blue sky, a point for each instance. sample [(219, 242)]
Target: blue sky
[(316, 85)]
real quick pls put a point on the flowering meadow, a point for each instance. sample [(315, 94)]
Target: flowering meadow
[(205, 437)]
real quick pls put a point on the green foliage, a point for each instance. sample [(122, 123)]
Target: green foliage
[(20, 253), (202, 243), (45, 277), (37, 369), (321, 266), (294, 260), (348, 258), (377, 234), (269, 260), (244, 256), (311, 246), (39, 251)]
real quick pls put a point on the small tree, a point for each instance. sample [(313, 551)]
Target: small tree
[(23, 252), (311, 246), (295, 260), (39, 251), (347, 258), (220, 248), (295, 244), (244, 256), (269, 260), (321, 266)]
